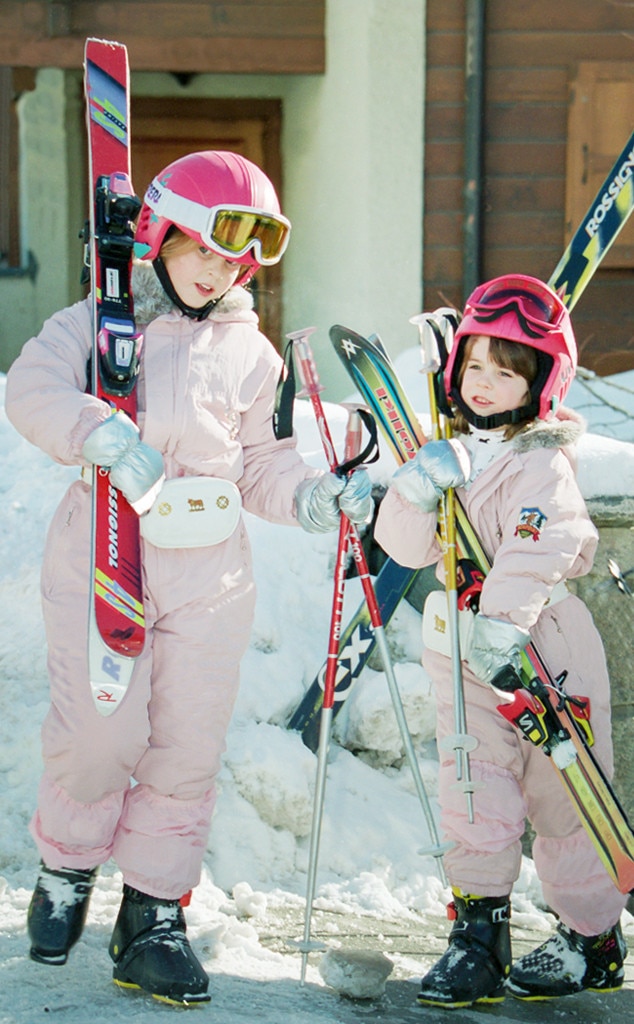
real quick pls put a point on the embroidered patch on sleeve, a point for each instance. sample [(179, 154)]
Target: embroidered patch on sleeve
[(530, 523)]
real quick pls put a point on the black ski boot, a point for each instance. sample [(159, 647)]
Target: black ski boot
[(569, 962), (474, 967), (57, 912), (152, 952)]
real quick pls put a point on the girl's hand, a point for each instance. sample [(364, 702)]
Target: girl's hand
[(320, 502), (494, 644), (136, 469), (436, 467)]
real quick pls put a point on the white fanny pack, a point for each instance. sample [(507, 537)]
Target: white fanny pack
[(436, 634), (192, 512)]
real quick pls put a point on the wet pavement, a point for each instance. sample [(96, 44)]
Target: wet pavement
[(413, 947)]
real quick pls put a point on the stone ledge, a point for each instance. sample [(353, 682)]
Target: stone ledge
[(611, 510)]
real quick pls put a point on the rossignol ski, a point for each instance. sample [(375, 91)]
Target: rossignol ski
[(116, 624), (602, 223), (598, 229), (541, 709)]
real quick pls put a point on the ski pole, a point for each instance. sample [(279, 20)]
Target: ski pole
[(325, 729), (437, 849), (308, 374), (330, 678), (462, 743)]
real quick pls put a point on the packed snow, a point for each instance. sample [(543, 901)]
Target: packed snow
[(247, 915)]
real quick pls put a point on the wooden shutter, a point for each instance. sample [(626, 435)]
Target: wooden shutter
[(601, 119)]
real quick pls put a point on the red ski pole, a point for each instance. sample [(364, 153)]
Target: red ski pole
[(348, 535)]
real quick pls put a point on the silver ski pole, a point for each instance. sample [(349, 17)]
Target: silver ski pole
[(325, 730), (461, 742), (436, 849), (308, 374)]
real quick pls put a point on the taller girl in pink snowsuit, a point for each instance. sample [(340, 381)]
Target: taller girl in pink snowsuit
[(512, 464), (138, 786)]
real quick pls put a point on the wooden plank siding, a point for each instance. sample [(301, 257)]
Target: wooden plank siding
[(532, 51), (238, 36)]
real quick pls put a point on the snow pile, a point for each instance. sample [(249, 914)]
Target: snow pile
[(357, 974)]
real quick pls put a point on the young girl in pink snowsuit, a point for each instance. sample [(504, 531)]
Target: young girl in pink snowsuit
[(138, 785), (512, 464)]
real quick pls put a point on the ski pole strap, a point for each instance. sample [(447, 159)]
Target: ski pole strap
[(285, 397), (371, 451), (283, 416)]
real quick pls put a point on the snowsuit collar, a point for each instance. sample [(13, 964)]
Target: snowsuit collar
[(486, 448), (563, 431)]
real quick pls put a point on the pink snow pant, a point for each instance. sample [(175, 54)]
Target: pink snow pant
[(520, 782), (138, 786)]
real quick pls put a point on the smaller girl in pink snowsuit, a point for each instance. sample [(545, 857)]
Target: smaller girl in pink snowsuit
[(512, 464), (138, 786)]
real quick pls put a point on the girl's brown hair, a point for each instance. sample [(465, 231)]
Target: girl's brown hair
[(176, 242), (511, 355)]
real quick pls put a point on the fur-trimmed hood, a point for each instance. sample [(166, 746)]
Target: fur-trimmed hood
[(563, 431), (151, 301)]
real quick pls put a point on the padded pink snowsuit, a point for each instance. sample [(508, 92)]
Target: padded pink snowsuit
[(206, 393), (535, 473)]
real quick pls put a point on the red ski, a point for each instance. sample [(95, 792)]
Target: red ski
[(117, 624)]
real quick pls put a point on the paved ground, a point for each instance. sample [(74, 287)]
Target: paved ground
[(413, 950)]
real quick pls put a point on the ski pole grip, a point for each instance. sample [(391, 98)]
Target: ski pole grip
[(428, 342), (354, 432), (305, 361)]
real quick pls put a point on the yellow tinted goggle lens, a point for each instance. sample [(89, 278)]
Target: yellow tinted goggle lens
[(236, 231)]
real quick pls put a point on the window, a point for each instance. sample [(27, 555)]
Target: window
[(12, 82)]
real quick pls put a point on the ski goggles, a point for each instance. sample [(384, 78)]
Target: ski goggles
[(231, 230), (535, 301)]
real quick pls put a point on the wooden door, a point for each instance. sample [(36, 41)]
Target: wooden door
[(601, 119), (165, 129)]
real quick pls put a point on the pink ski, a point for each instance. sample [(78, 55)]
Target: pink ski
[(117, 624)]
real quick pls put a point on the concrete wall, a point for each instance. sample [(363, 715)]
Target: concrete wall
[(613, 613), (353, 173), (44, 215)]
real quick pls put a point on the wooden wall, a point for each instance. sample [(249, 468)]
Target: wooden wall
[(532, 54), (238, 36)]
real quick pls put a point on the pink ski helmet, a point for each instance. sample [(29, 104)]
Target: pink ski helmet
[(523, 309), (223, 201)]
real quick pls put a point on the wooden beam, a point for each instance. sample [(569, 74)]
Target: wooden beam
[(198, 56), (241, 37)]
